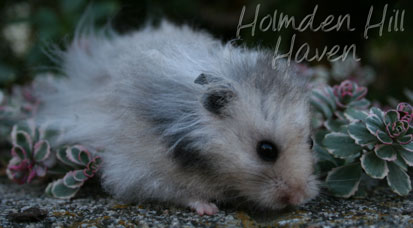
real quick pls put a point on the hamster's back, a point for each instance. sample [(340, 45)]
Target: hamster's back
[(108, 79)]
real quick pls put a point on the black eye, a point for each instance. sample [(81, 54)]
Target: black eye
[(311, 142), (267, 151)]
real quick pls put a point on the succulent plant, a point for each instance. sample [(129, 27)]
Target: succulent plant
[(354, 143), (379, 144), (334, 106), (31, 154), (84, 166), (349, 94)]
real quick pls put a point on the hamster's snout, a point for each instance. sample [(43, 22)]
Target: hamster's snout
[(278, 193), (294, 196), (298, 194)]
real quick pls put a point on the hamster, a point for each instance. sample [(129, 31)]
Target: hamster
[(184, 118)]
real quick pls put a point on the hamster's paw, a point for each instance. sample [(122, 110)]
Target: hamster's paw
[(202, 207)]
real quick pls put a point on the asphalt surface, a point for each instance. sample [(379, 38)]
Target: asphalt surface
[(27, 206)]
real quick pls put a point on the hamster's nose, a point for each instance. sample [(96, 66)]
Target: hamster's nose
[(292, 198)]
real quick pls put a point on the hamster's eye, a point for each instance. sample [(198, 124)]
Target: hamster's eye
[(311, 142), (267, 151)]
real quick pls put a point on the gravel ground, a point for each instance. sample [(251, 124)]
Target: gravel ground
[(26, 206)]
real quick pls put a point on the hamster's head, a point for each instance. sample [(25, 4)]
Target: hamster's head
[(259, 135)]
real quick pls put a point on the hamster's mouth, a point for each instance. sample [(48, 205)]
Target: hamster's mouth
[(275, 199), (248, 204)]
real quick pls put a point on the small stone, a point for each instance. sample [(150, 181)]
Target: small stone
[(408, 212), (32, 214)]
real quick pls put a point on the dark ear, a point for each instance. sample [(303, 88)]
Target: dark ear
[(216, 99), (204, 79)]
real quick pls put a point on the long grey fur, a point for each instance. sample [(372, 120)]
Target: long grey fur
[(134, 95)]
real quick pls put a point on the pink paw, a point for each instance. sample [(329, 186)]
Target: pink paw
[(203, 207)]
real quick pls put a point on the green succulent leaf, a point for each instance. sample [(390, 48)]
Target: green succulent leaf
[(70, 181), (88, 172), (27, 126), (377, 112), (407, 156), (61, 191), (362, 192), (360, 92), (85, 157), (330, 94), (360, 134), (343, 181), (98, 161), (48, 189), (322, 167), (386, 152), (24, 140), (336, 125), (383, 137), (398, 180), (405, 139), (62, 156), (340, 115), (408, 147), (78, 155), (341, 145), (79, 175), (374, 123), (391, 116), (41, 151), (19, 152), (325, 99), (354, 114), (400, 162), (410, 130), (374, 166), (321, 107), (95, 164), (326, 161), (360, 103), (319, 136)]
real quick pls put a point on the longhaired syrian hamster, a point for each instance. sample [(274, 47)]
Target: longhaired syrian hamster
[(184, 118)]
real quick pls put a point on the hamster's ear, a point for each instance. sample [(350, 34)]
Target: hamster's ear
[(219, 93), (205, 79), (215, 100)]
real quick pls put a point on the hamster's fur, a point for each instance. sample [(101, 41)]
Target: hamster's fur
[(179, 115)]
